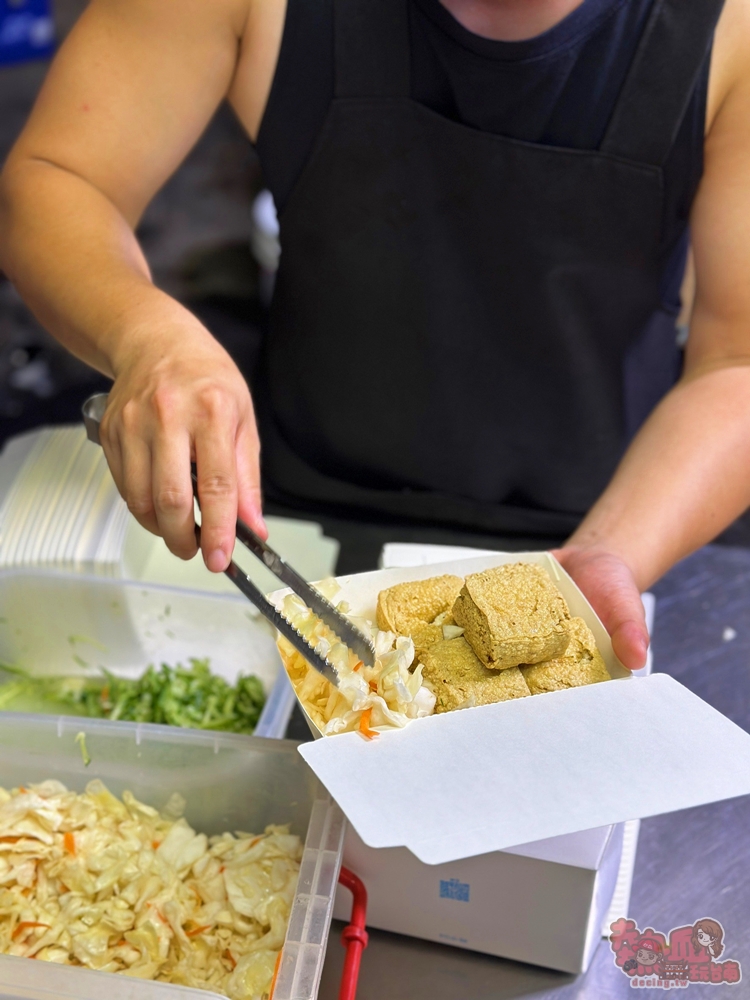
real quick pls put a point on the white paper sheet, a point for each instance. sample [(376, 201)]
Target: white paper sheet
[(466, 783)]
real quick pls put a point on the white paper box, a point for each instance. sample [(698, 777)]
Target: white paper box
[(454, 790), (533, 907)]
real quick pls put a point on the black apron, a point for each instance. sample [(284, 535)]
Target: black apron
[(454, 309)]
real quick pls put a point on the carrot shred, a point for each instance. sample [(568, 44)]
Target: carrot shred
[(22, 790), (24, 925), (364, 725), (374, 686), (69, 842), (222, 869), (275, 975), (198, 930), (158, 912), (358, 665), (10, 840), (155, 844), (230, 957)]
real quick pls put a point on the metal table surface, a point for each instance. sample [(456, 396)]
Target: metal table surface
[(689, 865)]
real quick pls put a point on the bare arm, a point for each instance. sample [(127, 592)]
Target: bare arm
[(687, 474), (130, 92)]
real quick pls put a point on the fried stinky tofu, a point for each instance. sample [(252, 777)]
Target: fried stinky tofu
[(424, 638), (513, 614), (581, 664), (458, 680), (411, 609)]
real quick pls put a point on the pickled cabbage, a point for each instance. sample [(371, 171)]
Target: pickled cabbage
[(385, 696), (91, 880)]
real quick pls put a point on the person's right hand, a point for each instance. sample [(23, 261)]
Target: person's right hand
[(179, 398)]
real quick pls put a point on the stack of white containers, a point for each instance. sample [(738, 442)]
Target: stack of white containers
[(63, 529), (59, 504)]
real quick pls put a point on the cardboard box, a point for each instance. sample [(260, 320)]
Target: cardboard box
[(541, 903), (455, 794), (558, 941)]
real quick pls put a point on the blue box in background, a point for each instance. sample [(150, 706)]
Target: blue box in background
[(27, 30)]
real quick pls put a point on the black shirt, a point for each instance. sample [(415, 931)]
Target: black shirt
[(558, 89)]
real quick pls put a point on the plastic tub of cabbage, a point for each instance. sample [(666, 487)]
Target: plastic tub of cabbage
[(144, 861), (80, 645)]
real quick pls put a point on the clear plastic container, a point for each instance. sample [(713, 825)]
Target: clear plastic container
[(72, 623), (230, 783)]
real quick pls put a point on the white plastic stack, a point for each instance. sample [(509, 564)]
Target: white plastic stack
[(59, 504), (60, 509)]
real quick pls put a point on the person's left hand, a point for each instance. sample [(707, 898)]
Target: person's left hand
[(611, 590)]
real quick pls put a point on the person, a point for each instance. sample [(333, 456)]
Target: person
[(484, 210)]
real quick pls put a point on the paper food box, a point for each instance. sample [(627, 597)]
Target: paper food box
[(498, 828)]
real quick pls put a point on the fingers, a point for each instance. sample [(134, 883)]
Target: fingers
[(228, 487), (217, 494), (110, 443), (151, 467), (129, 460), (166, 410), (172, 490), (136, 487), (248, 480)]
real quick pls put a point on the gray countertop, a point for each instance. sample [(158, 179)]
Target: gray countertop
[(690, 864)]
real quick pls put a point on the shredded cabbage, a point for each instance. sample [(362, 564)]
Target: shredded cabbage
[(109, 884), (386, 696)]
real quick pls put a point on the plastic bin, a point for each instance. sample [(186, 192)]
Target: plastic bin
[(71, 623), (230, 782)]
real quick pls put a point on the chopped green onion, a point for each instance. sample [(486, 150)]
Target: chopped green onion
[(81, 740), (191, 697)]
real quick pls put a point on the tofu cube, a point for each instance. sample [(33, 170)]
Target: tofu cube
[(513, 614), (459, 680), (580, 664)]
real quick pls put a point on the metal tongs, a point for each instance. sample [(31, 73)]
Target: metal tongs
[(93, 411)]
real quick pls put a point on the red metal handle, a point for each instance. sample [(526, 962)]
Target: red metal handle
[(354, 936)]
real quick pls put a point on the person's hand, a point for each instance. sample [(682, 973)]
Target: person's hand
[(611, 590), (178, 398)]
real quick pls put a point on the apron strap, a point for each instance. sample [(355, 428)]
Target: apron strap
[(371, 45), (661, 80)]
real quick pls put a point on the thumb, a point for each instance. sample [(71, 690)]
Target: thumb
[(630, 642), (608, 584)]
